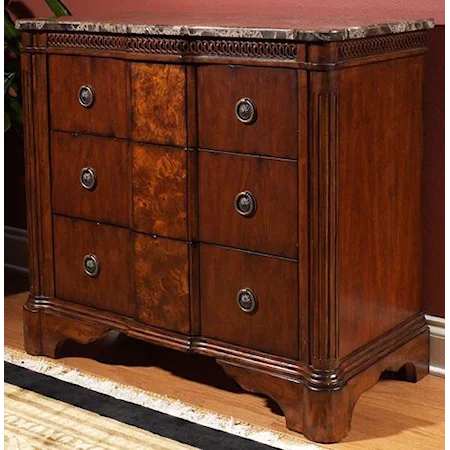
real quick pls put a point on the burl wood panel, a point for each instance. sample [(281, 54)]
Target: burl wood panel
[(379, 179), (110, 200), (108, 78), (273, 92), (273, 183), (158, 103), (160, 190), (111, 289), (162, 282), (273, 327)]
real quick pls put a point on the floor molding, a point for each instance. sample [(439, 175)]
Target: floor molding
[(16, 249), (437, 345), (16, 259)]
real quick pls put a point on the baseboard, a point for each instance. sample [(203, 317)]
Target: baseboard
[(16, 258), (16, 249), (437, 345)]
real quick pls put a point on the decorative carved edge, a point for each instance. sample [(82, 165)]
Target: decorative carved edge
[(233, 48), (325, 415), (286, 369), (360, 48), (175, 46)]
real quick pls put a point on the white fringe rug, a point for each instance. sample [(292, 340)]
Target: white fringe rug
[(155, 402)]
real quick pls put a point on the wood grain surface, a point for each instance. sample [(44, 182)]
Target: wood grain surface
[(162, 282), (271, 90), (108, 78), (110, 200), (111, 290), (273, 327), (274, 227), (158, 103), (379, 238), (160, 190)]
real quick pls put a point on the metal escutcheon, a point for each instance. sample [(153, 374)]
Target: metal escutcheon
[(91, 265), (88, 178), (246, 300), (245, 204), (86, 96), (245, 111)]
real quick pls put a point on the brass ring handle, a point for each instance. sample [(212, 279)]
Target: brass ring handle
[(88, 178), (86, 96), (91, 265), (247, 300), (245, 111), (245, 204)]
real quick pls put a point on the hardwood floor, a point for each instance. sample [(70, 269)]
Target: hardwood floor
[(393, 415)]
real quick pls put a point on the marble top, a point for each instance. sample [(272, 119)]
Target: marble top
[(246, 26)]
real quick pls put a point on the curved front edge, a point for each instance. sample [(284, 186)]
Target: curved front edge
[(45, 332), (325, 415)]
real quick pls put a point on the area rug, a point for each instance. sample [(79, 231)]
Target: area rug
[(51, 405)]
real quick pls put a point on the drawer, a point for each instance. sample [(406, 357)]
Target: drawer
[(158, 103), (91, 178), (268, 95), (88, 95), (269, 284), (162, 282), (231, 182), (160, 190), (82, 247)]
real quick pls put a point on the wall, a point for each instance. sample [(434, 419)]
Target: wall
[(433, 186)]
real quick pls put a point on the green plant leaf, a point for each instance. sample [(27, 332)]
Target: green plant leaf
[(9, 77), (7, 125), (11, 32), (58, 8), (15, 111)]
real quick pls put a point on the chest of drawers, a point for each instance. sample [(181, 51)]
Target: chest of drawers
[(250, 193)]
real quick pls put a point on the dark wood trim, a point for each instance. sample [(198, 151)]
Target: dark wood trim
[(27, 92), (37, 177), (192, 198), (323, 129), (303, 207)]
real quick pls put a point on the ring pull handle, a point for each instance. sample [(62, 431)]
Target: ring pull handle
[(245, 204), (91, 265), (246, 300), (245, 111), (88, 178), (86, 96)]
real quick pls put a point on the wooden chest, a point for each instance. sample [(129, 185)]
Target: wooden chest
[(247, 193)]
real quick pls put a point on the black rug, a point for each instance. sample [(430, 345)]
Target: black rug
[(155, 422)]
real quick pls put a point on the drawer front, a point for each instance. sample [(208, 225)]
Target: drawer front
[(162, 282), (273, 325), (228, 183), (88, 95), (158, 110), (91, 178), (160, 190), (85, 246), (272, 94)]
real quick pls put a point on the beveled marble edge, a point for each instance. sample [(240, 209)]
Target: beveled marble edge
[(340, 34)]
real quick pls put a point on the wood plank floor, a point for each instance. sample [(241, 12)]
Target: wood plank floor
[(393, 415)]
